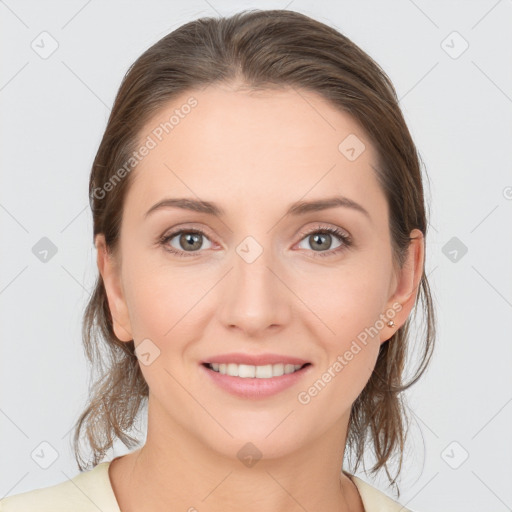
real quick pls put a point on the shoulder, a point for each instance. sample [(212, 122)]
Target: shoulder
[(88, 491), (375, 500)]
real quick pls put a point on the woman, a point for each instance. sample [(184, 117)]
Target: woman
[(260, 229)]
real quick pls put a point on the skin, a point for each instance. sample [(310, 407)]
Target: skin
[(253, 153)]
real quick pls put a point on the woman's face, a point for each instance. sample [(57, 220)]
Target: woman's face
[(263, 276)]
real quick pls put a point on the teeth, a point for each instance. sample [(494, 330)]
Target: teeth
[(246, 371)]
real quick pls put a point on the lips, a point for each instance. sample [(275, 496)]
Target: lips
[(254, 359), (257, 387)]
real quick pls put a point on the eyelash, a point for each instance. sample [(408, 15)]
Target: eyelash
[(347, 241)]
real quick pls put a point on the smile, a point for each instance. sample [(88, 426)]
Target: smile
[(246, 371)]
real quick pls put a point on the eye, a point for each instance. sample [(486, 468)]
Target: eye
[(187, 241), (321, 238)]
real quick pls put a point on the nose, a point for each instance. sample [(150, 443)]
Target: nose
[(255, 297)]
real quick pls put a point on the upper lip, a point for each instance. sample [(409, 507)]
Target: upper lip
[(255, 360)]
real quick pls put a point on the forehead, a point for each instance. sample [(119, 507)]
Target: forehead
[(230, 145)]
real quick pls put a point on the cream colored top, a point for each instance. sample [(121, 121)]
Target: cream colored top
[(91, 491)]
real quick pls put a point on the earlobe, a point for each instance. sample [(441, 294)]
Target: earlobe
[(408, 281), (112, 283)]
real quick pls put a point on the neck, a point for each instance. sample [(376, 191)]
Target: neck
[(180, 472)]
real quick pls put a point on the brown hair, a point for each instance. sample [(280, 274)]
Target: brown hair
[(261, 49)]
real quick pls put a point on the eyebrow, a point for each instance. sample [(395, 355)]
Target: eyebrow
[(298, 208)]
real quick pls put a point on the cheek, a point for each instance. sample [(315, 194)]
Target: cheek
[(346, 327), (161, 327), (345, 300), (346, 303), (153, 305), (167, 307)]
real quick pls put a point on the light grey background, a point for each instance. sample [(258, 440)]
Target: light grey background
[(458, 105)]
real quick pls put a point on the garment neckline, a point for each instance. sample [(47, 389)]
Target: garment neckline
[(365, 490)]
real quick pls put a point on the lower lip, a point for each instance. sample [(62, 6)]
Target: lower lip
[(255, 388)]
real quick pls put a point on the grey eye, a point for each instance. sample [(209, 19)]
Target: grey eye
[(320, 241), (189, 241)]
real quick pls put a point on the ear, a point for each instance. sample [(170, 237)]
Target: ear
[(407, 283), (109, 270)]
